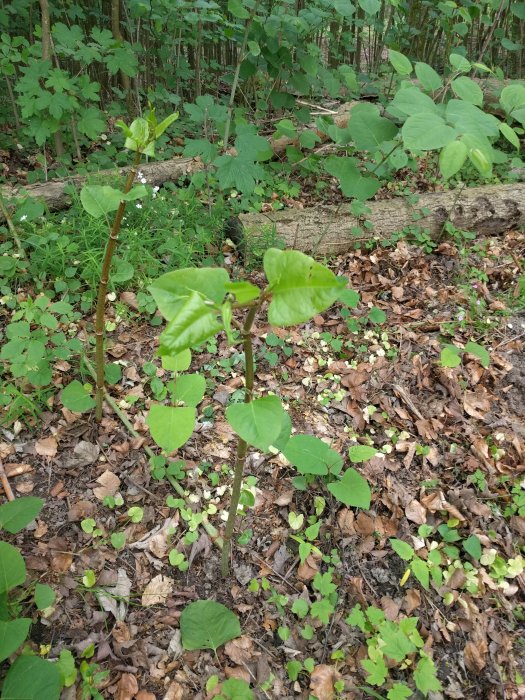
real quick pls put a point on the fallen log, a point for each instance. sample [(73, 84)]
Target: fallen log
[(54, 192), (329, 229)]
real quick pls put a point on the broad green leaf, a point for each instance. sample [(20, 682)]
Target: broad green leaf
[(194, 323), (400, 62), (171, 426), (243, 291), (512, 97), (472, 546), (352, 490), (511, 136), (349, 298), (238, 172), (67, 668), (235, 689), (15, 515), (12, 634), (76, 397), (236, 8), (190, 388), (425, 676), (371, 7), (295, 520), (480, 161), (32, 678), (170, 290), (471, 120), (459, 63), (311, 455), (300, 286), (360, 453), (252, 146), (402, 549), (165, 123), (254, 48), (99, 200), (480, 352), (450, 356), (428, 77), (368, 129), (259, 422), (421, 572), (206, 624), (44, 596), (467, 90), (12, 567), (118, 539), (426, 132), (284, 433), (344, 8), (410, 101), (177, 363), (352, 181), (377, 316), (451, 158)]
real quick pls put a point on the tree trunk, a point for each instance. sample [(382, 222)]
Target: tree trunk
[(329, 229)]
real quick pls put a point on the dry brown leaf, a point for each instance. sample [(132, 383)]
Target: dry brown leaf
[(345, 519), (308, 569), (322, 682), (127, 687), (109, 485), (240, 650), (390, 608), (25, 487), (412, 600), (80, 510), (474, 654), (174, 692), (157, 590), (476, 404), (46, 447), (145, 695), (237, 672), (416, 513), (85, 453)]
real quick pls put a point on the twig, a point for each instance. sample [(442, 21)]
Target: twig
[(12, 227), (5, 483), (508, 340)]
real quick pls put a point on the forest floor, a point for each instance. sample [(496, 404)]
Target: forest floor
[(452, 456)]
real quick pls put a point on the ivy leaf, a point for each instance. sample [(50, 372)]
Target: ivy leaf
[(352, 490)]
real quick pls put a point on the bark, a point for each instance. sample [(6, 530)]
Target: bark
[(328, 229), (53, 192)]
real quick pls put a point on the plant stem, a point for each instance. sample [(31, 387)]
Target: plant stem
[(12, 227), (242, 447), (102, 289)]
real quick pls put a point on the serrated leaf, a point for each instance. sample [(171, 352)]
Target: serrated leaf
[(352, 490), (206, 624), (425, 676), (171, 426), (402, 549)]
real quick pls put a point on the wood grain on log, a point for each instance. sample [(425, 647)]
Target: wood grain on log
[(327, 229)]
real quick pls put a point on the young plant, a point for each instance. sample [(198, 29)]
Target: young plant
[(99, 200), (198, 304)]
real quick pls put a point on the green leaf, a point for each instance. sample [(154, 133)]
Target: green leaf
[(399, 691), (400, 62), (12, 634), (113, 373), (91, 123), (352, 490), (190, 389), (44, 596), (428, 77), (235, 689), (471, 120), (171, 290), (402, 549), (395, 643), (472, 546), (32, 678), (206, 624), (349, 298), (165, 123), (511, 136), (15, 515), (243, 291), (425, 676), (311, 455), (259, 422), (118, 539), (235, 7), (353, 183), (426, 132), (478, 351), (377, 316), (421, 572), (12, 567), (76, 398), (368, 129), (459, 63), (250, 145), (360, 453), (99, 200), (467, 90), (238, 172), (371, 7), (377, 671), (66, 667), (194, 323), (171, 426), (410, 101), (451, 158), (300, 286), (450, 356), (512, 97), (177, 363)]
